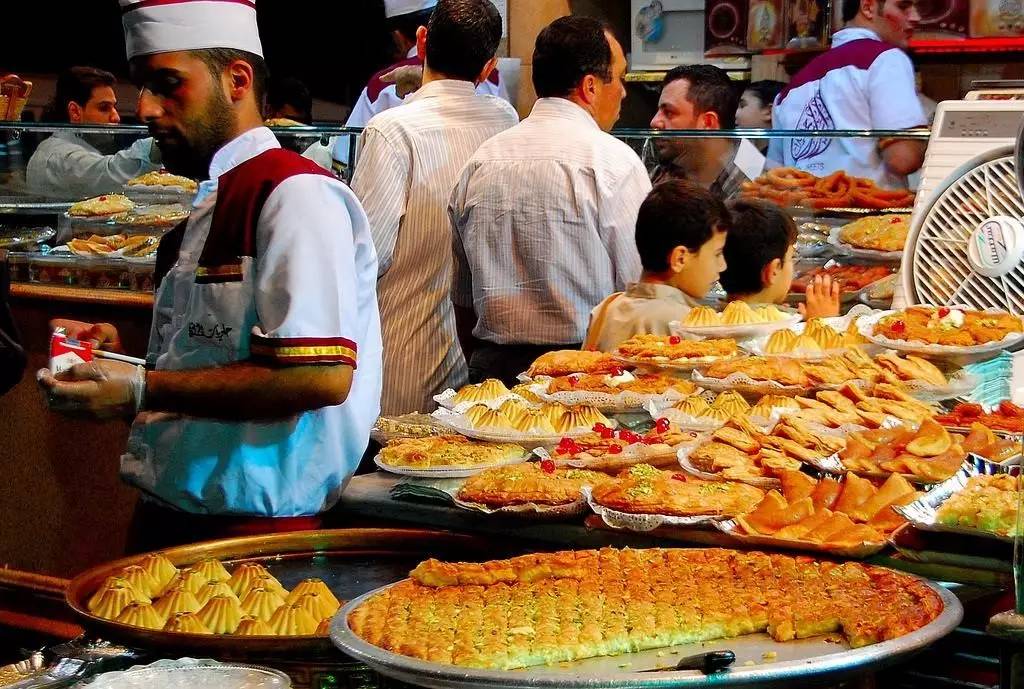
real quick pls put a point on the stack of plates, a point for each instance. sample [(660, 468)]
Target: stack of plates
[(994, 378)]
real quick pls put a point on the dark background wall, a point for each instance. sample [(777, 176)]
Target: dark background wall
[(334, 45)]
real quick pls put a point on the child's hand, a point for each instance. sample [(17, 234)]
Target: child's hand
[(822, 298)]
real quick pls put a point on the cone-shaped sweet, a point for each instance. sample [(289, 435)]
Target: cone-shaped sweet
[(267, 581), (221, 614), (214, 588), (115, 599), (212, 569), (186, 623), (177, 601), (160, 568), (261, 603), (243, 576), (317, 606), (290, 620), (141, 615), (141, 580), (189, 578), (253, 626), (114, 583), (311, 586)]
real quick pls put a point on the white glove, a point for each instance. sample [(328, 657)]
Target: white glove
[(102, 389)]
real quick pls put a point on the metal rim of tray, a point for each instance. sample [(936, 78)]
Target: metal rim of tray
[(415, 542), (424, 673)]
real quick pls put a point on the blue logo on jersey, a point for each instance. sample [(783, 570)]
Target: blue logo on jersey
[(814, 116)]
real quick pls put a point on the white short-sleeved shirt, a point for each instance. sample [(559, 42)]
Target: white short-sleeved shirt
[(861, 83), (301, 290)]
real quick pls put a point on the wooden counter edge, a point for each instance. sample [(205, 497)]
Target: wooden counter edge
[(110, 297)]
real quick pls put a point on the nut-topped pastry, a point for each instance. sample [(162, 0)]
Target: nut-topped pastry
[(115, 582), (318, 606), (188, 578), (312, 585), (770, 314), (694, 405), (807, 344), (212, 569), (780, 342), (534, 423), (731, 402), (114, 598), (243, 577)]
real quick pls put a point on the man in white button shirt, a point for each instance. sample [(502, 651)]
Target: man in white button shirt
[(410, 160), (865, 81), (544, 214)]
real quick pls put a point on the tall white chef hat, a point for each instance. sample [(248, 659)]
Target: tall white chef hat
[(166, 26), (396, 8)]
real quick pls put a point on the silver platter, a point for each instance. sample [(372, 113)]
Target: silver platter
[(803, 660)]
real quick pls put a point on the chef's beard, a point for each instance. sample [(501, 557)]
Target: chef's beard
[(189, 148)]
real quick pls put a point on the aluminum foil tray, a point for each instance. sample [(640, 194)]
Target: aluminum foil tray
[(772, 661)]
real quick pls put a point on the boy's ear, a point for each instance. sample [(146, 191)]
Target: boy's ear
[(770, 271), (677, 259)]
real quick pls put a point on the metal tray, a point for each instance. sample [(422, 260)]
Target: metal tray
[(804, 660), (350, 561)]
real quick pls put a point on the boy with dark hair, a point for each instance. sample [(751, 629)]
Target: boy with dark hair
[(680, 235), (760, 254)]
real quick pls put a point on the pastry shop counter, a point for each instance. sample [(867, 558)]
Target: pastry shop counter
[(65, 508)]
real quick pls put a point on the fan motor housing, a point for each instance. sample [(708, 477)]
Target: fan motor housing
[(996, 246)]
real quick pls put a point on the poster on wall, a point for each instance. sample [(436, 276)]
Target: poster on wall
[(765, 24), (725, 27), (807, 24)]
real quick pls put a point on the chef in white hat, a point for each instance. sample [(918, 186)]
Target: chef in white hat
[(250, 405), (382, 92)]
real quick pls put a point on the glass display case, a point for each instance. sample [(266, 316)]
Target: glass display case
[(54, 245)]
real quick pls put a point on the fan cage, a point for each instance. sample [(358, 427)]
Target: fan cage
[(941, 269)]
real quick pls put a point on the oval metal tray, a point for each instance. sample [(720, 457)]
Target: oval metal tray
[(350, 561), (805, 659)]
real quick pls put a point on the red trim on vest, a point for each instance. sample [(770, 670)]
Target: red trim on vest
[(155, 3), (376, 86), (241, 193), (860, 53)]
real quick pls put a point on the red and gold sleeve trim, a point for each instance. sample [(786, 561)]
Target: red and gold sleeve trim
[(206, 275), (304, 350)]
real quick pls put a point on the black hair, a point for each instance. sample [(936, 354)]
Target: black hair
[(75, 85), (408, 24), (462, 37), (677, 213), (766, 90), (851, 8), (760, 233), (217, 60), (290, 91), (567, 50), (710, 90)]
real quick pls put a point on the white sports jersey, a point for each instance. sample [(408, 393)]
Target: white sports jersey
[(861, 83)]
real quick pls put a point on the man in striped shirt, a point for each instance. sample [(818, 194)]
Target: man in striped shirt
[(544, 213), (410, 160)]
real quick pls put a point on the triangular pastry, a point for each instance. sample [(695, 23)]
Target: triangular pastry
[(701, 317), (738, 313), (186, 623)]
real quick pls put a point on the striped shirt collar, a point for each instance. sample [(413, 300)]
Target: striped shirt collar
[(561, 109), (443, 88)]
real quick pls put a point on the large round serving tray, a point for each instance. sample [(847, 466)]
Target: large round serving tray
[(959, 354), (350, 561), (814, 658)]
